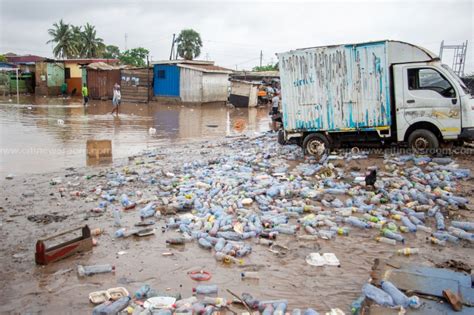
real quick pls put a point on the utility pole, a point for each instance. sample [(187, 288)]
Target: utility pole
[(126, 37), (172, 47), (261, 57)]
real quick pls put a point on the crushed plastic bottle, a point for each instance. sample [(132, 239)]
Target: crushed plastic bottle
[(84, 271), (206, 289), (377, 295)]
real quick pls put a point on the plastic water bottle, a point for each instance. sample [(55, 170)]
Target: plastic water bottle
[(176, 241), (357, 223), (117, 217), (399, 298), (443, 235), (148, 210), (206, 289), (439, 221), (142, 292), (386, 240), (466, 226), (461, 234), (83, 271), (393, 235), (310, 311), (280, 309), (188, 302), (357, 305), (340, 230), (220, 244), (249, 275), (263, 304), (217, 301), (436, 241), (204, 243), (268, 310), (377, 295), (424, 229), (411, 227), (408, 251)]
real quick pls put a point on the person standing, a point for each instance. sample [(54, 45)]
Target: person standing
[(85, 94), (275, 103), (64, 89), (116, 99)]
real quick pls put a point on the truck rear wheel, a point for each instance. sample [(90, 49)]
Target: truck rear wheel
[(316, 144), (423, 141)]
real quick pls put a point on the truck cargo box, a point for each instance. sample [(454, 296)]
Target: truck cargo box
[(342, 88)]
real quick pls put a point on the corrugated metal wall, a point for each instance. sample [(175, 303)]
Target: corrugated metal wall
[(215, 87), (101, 83), (55, 74), (335, 88), (190, 82), (166, 80)]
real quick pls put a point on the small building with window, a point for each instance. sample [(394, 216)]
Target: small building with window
[(191, 81), (75, 72)]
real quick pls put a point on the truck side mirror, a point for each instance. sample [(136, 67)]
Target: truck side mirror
[(454, 101)]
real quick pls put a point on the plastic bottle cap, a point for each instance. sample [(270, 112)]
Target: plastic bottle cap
[(113, 268), (194, 289)]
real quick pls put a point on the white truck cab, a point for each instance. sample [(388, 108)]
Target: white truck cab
[(384, 91), (430, 97)]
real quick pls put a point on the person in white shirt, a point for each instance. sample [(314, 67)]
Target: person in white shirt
[(275, 103), (116, 99)]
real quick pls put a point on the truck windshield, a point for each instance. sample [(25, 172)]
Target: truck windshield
[(458, 79)]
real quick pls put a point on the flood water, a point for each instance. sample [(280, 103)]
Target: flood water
[(34, 139)]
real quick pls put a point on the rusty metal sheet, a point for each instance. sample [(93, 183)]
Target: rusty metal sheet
[(336, 88)]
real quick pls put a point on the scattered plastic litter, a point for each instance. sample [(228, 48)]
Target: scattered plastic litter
[(316, 259)]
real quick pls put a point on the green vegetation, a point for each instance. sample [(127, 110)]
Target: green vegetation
[(266, 68), (134, 57), (189, 44), (3, 58), (73, 41)]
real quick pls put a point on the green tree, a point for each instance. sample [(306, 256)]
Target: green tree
[(111, 52), (266, 68), (189, 44), (92, 46), (63, 37), (3, 58), (77, 35), (134, 57)]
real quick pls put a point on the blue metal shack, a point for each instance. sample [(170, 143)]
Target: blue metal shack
[(191, 80)]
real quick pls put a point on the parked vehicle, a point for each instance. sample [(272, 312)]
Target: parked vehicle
[(384, 91)]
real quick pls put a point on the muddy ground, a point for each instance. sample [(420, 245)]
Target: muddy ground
[(56, 289)]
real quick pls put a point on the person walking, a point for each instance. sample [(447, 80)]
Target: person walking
[(85, 94), (116, 99)]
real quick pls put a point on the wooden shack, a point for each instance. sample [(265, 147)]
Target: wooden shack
[(135, 84), (101, 78)]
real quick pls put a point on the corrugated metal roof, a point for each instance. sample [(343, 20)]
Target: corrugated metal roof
[(102, 66), (90, 60), (262, 74), (205, 68), (25, 59)]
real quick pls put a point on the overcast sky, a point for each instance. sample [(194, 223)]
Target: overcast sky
[(234, 32)]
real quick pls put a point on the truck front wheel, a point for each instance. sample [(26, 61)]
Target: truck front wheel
[(422, 141), (315, 144)]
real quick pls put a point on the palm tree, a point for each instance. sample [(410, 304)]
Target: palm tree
[(92, 46), (189, 44), (77, 35), (64, 38)]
